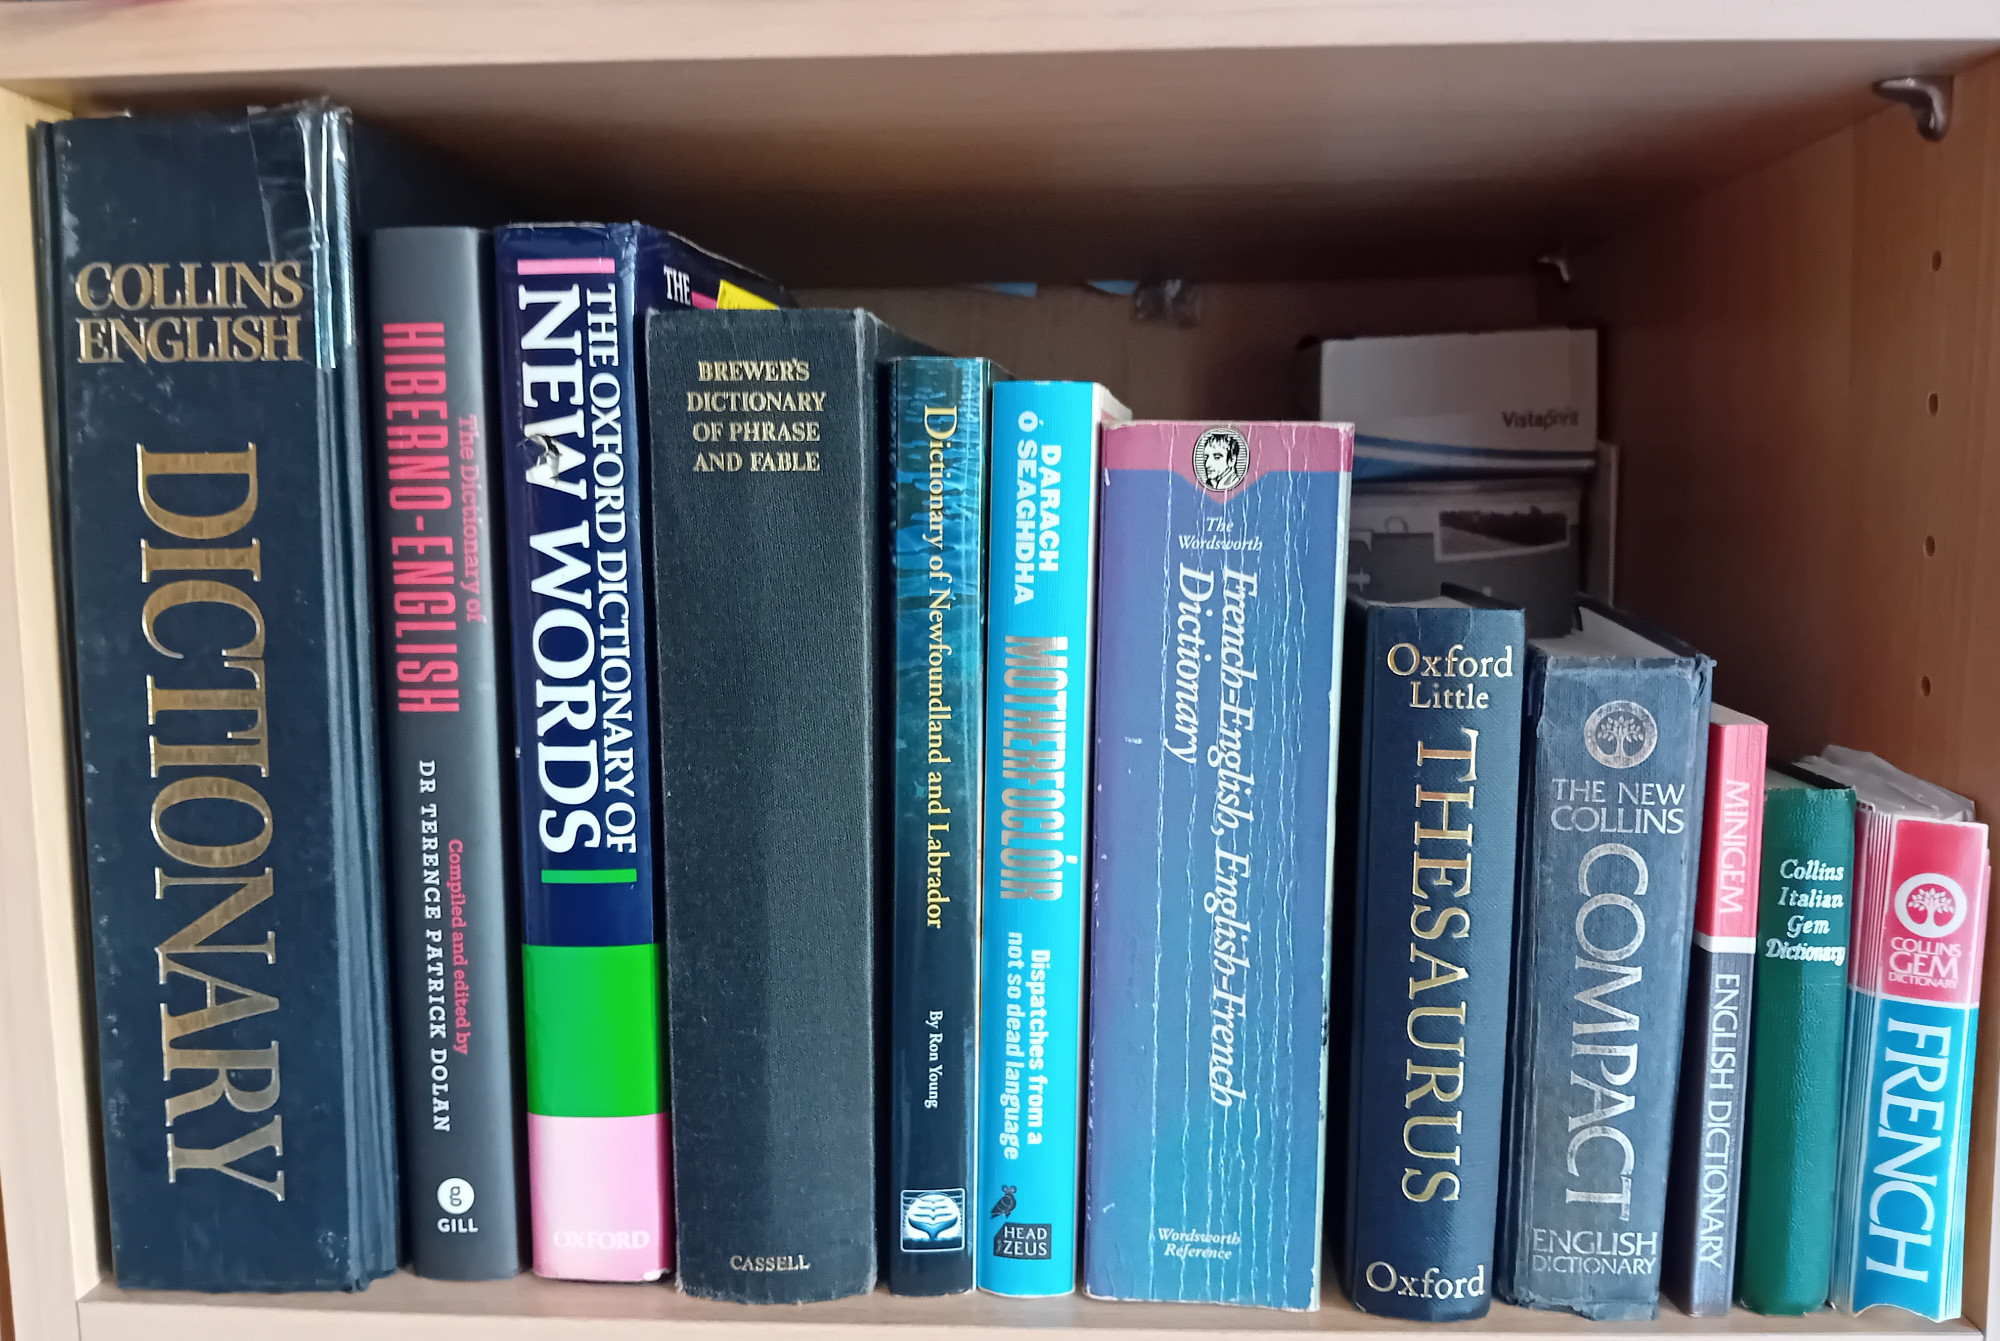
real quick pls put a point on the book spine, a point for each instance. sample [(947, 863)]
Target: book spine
[(939, 408), (1221, 590), (570, 457), (223, 694), (1343, 1012), (1707, 1167), (1912, 1021), (1434, 898), (1798, 1046), (443, 797), (770, 510), (1611, 806), (1041, 624)]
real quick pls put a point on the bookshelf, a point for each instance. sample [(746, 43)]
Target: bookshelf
[(1785, 273)]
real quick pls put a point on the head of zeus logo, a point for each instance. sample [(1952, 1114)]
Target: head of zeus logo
[(1221, 460), (1931, 905), (1620, 734)]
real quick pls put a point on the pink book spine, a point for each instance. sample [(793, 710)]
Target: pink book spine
[(598, 1189), (1732, 838)]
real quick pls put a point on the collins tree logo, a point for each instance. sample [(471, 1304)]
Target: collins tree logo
[(1221, 460), (1620, 734), (1931, 905)]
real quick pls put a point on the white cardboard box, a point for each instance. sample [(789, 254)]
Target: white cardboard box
[(1431, 406)]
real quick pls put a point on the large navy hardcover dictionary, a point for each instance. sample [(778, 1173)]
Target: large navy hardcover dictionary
[(1611, 805), (210, 463)]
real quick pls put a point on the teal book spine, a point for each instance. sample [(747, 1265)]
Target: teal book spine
[(938, 408), (1041, 621), (1797, 1046)]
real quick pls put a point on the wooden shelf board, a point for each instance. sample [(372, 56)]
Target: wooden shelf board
[(78, 39), (403, 1306), (901, 142)]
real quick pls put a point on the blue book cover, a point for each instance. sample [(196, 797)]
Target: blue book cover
[(1223, 569), (1431, 879), (938, 407), (570, 298), (1041, 620), (1611, 805)]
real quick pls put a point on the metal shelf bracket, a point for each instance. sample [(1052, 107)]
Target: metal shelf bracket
[(1927, 96)]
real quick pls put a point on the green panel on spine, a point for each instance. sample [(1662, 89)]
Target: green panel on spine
[(593, 1030)]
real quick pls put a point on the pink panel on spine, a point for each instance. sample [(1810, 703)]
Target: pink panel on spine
[(1271, 446), (597, 1193)]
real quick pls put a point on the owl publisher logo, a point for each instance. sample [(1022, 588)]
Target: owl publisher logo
[(934, 1221), (1022, 1242), (1221, 460), (1931, 905), (1620, 734)]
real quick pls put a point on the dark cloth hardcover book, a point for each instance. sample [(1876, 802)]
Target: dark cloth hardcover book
[(1798, 1044), (938, 410), (444, 796), (1611, 803), (770, 491), (1707, 1170), (571, 303), (1437, 772), (210, 465)]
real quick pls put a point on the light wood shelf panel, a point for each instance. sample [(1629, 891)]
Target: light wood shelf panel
[(77, 39), (404, 1308), (48, 1136)]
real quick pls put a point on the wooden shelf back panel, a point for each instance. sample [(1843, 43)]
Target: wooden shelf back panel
[(1802, 368), (894, 142), (1235, 362)]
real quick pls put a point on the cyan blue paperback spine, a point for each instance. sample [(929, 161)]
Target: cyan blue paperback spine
[(1040, 623), (939, 409), (1438, 783), (1224, 564)]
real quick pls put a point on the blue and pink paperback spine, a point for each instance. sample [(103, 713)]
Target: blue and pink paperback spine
[(1221, 598), (1041, 616), (1912, 1021), (568, 304)]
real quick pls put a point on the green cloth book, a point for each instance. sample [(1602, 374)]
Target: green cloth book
[(1797, 1045)]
